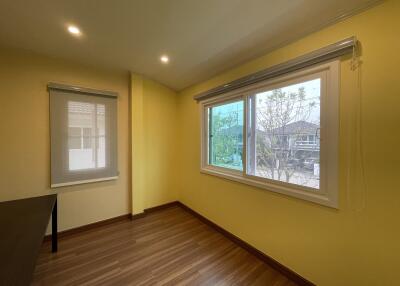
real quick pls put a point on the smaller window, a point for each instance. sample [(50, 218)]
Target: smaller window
[(86, 121), (87, 138), (83, 137), (74, 138)]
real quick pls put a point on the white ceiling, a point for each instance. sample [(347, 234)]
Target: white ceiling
[(202, 37)]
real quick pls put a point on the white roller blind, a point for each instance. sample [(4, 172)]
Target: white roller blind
[(343, 47), (83, 126)]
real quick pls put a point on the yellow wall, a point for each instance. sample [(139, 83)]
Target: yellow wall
[(25, 140), (357, 244), (154, 137), (137, 144), (147, 181)]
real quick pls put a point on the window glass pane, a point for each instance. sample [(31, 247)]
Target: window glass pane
[(226, 135), (87, 138), (89, 119), (285, 145), (101, 136), (74, 138)]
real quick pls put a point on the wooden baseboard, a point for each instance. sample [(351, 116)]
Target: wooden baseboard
[(87, 227), (262, 256), (155, 209), (137, 216), (90, 226), (162, 207)]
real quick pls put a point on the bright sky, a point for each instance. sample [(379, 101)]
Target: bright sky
[(235, 107), (312, 94)]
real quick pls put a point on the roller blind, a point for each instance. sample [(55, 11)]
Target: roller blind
[(321, 55), (83, 128)]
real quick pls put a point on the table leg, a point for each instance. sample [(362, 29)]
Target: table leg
[(54, 242)]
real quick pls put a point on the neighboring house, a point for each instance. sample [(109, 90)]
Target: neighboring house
[(298, 140), (86, 135)]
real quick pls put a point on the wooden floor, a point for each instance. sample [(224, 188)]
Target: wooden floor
[(167, 247)]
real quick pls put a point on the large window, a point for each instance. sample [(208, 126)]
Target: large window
[(83, 137), (290, 126)]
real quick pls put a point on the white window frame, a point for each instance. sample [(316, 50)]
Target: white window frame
[(329, 132)]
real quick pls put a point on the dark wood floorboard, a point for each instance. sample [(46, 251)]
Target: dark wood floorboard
[(167, 247)]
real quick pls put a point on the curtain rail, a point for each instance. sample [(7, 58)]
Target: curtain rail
[(329, 52), (85, 90)]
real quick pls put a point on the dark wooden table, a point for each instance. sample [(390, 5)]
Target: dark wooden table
[(23, 225)]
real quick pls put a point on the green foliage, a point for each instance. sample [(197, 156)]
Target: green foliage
[(279, 109), (226, 139)]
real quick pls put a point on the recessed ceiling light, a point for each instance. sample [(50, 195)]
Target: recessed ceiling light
[(164, 59), (74, 30)]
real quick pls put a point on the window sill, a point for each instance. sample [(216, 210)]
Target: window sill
[(322, 198), (83, 182)]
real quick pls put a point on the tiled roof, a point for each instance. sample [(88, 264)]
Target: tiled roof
[(298, 127)]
